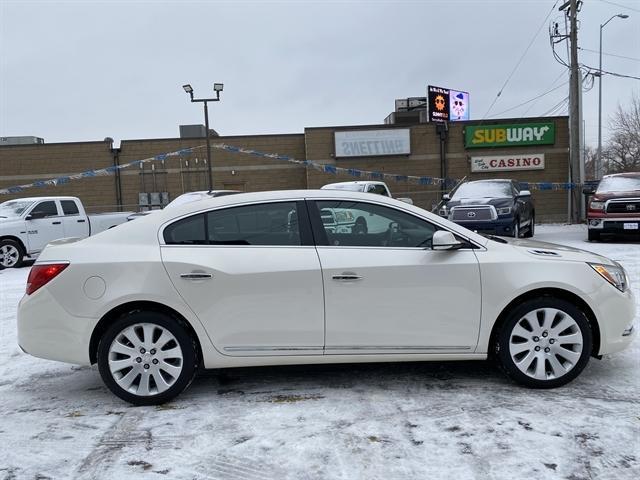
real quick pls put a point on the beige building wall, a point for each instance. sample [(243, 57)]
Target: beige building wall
[(22, 164)]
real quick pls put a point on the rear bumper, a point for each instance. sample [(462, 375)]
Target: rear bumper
[(47, 330)]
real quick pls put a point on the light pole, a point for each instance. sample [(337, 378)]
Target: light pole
[(599, 157), (217, 87)]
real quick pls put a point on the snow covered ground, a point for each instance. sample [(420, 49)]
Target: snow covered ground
[(385, 421)]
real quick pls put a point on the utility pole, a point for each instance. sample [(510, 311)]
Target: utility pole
[(574, 114)]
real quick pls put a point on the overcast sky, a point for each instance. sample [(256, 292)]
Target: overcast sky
[(85, 70)]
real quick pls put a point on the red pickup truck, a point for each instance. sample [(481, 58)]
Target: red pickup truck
[(614, 208)]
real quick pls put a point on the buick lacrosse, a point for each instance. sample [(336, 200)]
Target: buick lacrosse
[(315, 276)]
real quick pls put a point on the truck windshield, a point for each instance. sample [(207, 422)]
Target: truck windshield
[(14, 208), (619, 184), (483, 190)]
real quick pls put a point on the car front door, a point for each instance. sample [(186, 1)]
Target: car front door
[(386, 291), (43, 224), (252, 275)]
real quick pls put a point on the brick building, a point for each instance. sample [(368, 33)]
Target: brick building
[(529, 150)]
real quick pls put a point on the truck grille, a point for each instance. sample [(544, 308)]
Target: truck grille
[(631, 205), (473, 214)]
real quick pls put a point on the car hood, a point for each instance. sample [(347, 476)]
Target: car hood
[(10, 221), (604, 196), (553, 251), (499, 201)]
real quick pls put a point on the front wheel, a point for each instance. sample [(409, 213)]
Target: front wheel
[(147, 358), (532, 228), (544, 343), (593, 236), (11, 254), (516, 229)]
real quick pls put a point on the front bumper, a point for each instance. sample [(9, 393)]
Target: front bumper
[(47, 330), (615, 225), (615, 313), (500, 226)]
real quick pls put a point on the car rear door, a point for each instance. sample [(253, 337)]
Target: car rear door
[(252, 275), (386, 291)]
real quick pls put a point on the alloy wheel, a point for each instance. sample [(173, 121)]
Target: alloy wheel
[(9, 255), (145, 359), (546, 344)]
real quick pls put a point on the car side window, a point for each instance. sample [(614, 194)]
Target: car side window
[(69, 207), (274, 224), (359, 224), (46, 209), (188, 231)]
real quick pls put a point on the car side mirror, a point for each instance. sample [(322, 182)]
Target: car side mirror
[(36, 215), (446, 197), (588, 190), (443, 240), (524, 193), (405, 200)]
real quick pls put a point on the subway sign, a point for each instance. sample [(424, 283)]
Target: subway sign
[(509, 135)]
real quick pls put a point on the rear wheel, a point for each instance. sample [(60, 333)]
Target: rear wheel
[(147, 358), (11, 254), (544, 343)]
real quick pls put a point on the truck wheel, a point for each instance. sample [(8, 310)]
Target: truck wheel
[(594, 236), (11, 254), (532, 228), (516, 229)]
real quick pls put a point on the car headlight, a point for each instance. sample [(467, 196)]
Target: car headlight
[(504, 210), (615, 275), (596, 205)]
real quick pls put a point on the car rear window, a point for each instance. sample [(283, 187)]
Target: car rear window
[(188, 231)]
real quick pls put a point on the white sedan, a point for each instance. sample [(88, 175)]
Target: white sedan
[(258, 279)]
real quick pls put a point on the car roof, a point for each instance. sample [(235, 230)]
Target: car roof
[(50, 197)]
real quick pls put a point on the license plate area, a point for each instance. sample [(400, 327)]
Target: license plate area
[(630, 226)]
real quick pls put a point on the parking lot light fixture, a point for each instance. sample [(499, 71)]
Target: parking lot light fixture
[(217, 87)]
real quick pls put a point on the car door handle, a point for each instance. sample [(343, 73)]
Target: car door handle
[(56, 223), (195, 276), (346, 277), (81, 221)]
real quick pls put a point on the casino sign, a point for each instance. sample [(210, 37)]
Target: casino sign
[(505, 163)]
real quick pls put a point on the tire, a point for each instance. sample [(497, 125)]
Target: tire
[(159, 372), (516, 228), (532, 228), (559, 358), (11, 254), (593, 236)]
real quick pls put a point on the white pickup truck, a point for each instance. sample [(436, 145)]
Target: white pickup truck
[(28, 224), (379, 188)]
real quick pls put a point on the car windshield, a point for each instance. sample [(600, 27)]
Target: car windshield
[(619, 184), (352, 187), (483, 190), (14, 208)]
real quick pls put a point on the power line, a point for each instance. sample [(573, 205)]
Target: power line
[(610, 54), (615, 74), (620, 5), (562, 74), (520, 60), (532, 100)]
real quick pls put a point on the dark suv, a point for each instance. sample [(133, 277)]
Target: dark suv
[(614, 208), (497, 206)]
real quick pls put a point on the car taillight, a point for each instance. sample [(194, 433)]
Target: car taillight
[(40, 275)]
